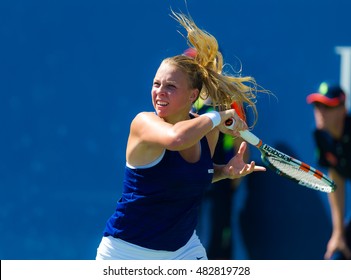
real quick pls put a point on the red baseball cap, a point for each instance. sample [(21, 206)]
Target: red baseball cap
[(329, 95)]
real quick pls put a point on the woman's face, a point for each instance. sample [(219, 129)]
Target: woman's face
[(172, 96)]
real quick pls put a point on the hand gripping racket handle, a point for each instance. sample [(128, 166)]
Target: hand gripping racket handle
[(245, 134)]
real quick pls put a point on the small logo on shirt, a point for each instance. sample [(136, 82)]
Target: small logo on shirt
[(210, 171)]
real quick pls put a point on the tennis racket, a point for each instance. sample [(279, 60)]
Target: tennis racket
[(287, 166)]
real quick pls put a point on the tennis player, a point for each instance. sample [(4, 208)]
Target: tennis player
[(333, 139), (169, 155)]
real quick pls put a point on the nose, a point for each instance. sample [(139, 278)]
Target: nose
[(159, 90)]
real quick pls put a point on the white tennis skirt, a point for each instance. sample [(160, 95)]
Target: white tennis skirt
[(111, 248)]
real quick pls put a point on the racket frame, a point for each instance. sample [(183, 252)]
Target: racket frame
[(268, 151)]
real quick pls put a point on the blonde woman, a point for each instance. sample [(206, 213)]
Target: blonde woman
[(169, 155)]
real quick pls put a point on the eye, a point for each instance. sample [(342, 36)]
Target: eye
[(156, 84), (171, 86)]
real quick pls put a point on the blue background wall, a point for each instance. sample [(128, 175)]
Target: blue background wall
[(74, 73)]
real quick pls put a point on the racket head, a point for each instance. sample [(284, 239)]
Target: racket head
[(293, 169), (287, 166)]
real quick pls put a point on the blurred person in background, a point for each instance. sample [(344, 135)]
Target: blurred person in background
[(332, 137)]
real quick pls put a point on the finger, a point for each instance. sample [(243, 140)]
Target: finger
[(242, 148), (241, 125), (259, 168), (254, 167), (248, 168), (328, 254)]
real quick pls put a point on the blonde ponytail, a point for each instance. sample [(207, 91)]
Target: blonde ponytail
[(205, 70)]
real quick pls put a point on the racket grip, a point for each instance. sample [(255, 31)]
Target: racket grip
[(245, 134), (229, 123)]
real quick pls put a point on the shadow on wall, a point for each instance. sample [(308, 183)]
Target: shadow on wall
[(281, 219)]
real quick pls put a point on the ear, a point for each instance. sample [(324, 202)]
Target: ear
[(194, 95)]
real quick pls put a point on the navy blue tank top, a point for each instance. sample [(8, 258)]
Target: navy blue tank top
[(159, 205)]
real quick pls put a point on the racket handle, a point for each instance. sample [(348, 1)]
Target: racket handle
[(245, 134)]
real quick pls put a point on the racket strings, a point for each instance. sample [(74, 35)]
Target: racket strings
[(304, 178)]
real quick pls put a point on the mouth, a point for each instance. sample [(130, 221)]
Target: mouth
[(161, 103)]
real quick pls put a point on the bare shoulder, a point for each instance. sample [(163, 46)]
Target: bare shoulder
[(145, 123), (143, 146), (144, 119)]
